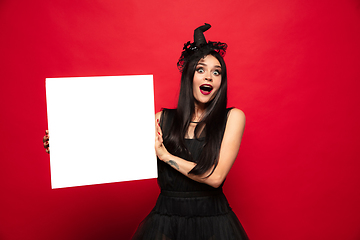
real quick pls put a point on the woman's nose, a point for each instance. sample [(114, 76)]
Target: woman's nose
[(208, 76)]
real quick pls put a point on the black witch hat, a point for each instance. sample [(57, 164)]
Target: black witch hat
[(200, 48)]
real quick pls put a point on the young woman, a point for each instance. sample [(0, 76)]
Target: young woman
[(196, 144)]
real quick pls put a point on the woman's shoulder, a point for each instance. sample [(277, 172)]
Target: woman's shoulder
[(235, 112), (236, 116)]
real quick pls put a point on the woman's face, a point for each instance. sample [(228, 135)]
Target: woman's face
[(207, 79)]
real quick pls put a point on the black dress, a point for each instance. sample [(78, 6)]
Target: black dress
[(186, 209)]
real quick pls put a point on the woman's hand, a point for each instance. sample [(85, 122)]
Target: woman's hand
[(46, 141), (228, 152), (160, 149)]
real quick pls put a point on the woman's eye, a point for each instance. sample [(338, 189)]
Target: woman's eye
[(200, 70), (217, 73)]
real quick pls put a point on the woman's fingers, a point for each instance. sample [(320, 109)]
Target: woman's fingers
[(159, 137), (159, 132), (46, 141), (158, 128), (47, 147), (46, 137)]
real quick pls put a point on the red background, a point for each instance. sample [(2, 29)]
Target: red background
[(293, 69)]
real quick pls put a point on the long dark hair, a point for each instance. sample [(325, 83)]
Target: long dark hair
[(212, 122)]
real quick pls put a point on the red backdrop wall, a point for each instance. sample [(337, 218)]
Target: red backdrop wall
[(293, 69)]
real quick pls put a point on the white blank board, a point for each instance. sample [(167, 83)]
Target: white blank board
[(101, 129)]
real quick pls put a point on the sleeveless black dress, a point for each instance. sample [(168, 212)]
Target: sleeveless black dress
[(186, 209)]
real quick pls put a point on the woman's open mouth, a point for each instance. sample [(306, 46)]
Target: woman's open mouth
[(206, 89)]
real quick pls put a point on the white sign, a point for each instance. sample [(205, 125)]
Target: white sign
[(102, 129)]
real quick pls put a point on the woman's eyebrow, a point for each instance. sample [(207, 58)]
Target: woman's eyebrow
[(203, 64)]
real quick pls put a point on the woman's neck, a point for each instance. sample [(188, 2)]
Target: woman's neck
[(198, 113)]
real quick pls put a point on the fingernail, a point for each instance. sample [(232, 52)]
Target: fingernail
[(158, 133)]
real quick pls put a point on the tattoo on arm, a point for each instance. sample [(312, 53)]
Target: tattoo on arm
[(173, 163)]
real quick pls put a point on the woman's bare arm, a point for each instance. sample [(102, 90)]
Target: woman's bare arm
[(228, 152)]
